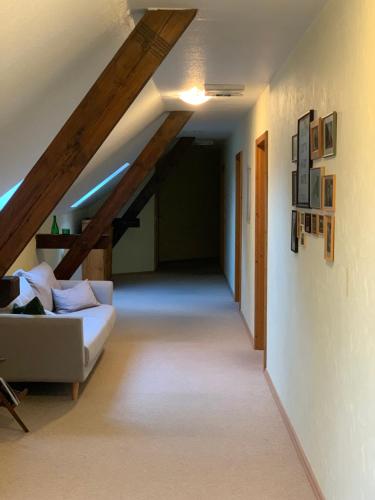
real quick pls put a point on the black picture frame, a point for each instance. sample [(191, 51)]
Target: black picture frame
[(294, 148), (304, 161), (294, 237), (294, 188)]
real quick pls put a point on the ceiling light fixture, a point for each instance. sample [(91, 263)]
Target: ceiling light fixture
[(194, 96)]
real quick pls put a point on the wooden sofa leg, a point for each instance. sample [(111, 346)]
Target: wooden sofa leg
[(75, 390)]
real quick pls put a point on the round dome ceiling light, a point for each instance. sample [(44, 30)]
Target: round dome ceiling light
[(194, 96)]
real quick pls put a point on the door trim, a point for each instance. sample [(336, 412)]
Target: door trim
[(261, 242), (238, 231)]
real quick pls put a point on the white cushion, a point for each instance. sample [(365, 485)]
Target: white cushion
[(73, 299), (42, 280), (26, 294)]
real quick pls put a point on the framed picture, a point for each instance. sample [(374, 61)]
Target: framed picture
[(316, 178), (298, 224), (329, 192), (303, 239), (294, 239), (308, 223), (294, 148), (321, 225), (329, 238), (314, 224), (304, 162), (302, 219), (329, 134), (316, 139), (294, 188)]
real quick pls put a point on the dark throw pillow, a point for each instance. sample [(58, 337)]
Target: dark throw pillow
[(32, 308)]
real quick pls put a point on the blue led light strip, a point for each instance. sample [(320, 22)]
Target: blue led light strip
[(100, 185), (7, 196)]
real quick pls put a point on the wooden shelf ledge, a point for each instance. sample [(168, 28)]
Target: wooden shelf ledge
[(66, 241)]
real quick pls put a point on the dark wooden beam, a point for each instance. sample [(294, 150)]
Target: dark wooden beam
[(120, 223), (9, 289), (162, 169), (87, 128), (66, 241), (123, 192)]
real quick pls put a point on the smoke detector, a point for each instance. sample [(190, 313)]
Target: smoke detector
[(224, 90)]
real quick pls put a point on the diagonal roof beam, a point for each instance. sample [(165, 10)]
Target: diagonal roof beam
[(123, 192), (162, 170), (87, 128)]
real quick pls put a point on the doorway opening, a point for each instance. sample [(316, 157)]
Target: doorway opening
[(261, 230), (188, 212)]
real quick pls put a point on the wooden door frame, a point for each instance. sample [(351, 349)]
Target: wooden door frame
[(238, 229), (261, 241), (222, 219)]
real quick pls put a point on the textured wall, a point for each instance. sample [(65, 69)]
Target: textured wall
[(321, 316), (135, 251), (243, 139)]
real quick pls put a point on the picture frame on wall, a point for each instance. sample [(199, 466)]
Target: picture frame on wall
[(329, 238), (321, 225), (294, 188), (308, 223), (298, 225), (295, 148), (329, 192), (316, 183), (330, 135), (304, 162), (303, 239), (294, 239), (316, 139), (314, 224)]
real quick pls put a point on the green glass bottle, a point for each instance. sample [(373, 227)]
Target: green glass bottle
[(55, 227)]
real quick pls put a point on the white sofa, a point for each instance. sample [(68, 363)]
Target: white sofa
[(59, 348)]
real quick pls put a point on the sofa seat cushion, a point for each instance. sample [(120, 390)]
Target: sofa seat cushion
[(97, 325)]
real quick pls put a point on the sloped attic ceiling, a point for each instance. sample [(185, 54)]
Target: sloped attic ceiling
[(52, 52)]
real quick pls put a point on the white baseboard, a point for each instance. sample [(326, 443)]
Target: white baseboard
[(295, 440)]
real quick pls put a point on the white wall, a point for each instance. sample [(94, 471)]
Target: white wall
[(135, 252), (321, 317), (243, 139)]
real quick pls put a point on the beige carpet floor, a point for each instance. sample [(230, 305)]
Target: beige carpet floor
[(177, 409)]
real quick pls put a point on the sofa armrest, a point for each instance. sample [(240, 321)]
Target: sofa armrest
[(103, 290), (41, 348)]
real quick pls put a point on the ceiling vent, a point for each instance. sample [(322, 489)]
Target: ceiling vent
[(220, 90)]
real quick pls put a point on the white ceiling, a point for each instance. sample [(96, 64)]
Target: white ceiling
[(229, 42), (53, 50)]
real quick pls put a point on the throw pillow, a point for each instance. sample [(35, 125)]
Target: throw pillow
[(42, 280), (33, 308), (73, 299)]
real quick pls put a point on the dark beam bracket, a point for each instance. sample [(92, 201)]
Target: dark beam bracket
[(9, 289)]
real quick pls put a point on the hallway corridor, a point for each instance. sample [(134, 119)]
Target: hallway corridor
[(177, 409)]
